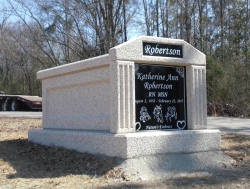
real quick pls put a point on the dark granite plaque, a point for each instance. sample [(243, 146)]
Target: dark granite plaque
[(160, 97), (166, 50)]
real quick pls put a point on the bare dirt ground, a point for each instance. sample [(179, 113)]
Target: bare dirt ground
[(28, 165)]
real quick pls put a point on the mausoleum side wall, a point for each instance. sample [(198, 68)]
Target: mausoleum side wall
[(78, 100)]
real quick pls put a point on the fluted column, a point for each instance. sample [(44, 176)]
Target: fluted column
[(196, 97), (122, 97)]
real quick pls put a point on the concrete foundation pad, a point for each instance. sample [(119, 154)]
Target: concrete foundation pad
[(175, 165), (129, 145)]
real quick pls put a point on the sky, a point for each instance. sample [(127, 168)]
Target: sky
[(5, 12)]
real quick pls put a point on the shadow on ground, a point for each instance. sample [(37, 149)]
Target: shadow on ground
[(30, 160), (36, 161)]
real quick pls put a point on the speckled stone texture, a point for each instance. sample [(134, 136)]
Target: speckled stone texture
[(78, 97), (89, 105), (99, 93), (129, 145), (196, 97), (123, 99), (132, 51)]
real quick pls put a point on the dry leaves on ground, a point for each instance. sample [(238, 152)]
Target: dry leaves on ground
[(28, 165)]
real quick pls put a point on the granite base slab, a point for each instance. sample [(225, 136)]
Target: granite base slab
[(129, 145)]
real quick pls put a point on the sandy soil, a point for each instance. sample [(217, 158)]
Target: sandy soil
[(27, 165)]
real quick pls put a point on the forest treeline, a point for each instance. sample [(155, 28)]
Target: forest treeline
[(38, 34)]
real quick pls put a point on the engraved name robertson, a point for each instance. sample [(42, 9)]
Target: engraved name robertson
[(166, 50)]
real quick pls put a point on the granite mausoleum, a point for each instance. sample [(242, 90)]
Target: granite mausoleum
[(146, 97)]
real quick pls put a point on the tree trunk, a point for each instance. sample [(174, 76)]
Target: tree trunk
[(157, 18), (124, 21)]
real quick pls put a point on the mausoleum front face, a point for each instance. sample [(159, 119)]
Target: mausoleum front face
[(162, 82), (146, 84)]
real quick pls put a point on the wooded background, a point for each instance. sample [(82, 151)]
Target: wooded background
[(38, 34)]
